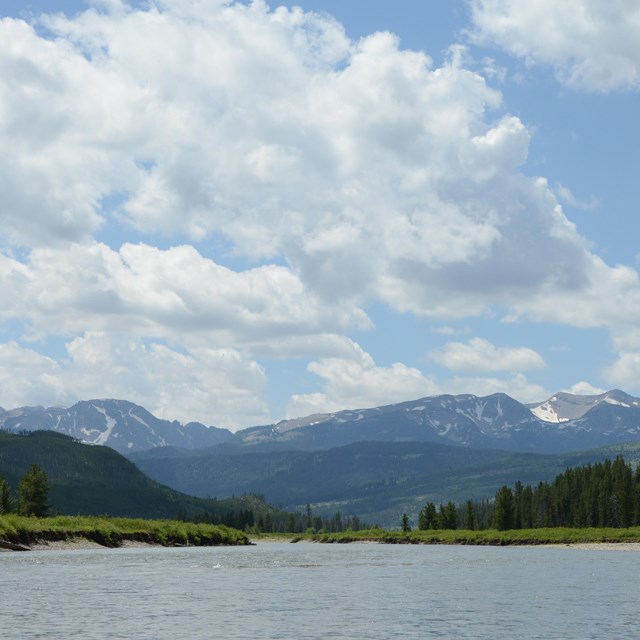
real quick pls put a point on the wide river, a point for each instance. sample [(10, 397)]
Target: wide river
[(312, 591)]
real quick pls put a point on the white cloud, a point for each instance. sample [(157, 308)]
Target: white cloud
[(625, 372), (351, 383), (517, 386), (584, 388), (601, 296), (175, 293), (373, 176), (357, 382), (213, 386), (28, 378), (479, 355), (565, 194), (593, 44)]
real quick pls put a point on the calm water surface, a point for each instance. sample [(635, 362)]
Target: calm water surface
[(308, 591)]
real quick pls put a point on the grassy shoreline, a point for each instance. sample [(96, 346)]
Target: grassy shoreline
[(487, 537), (20, 532)]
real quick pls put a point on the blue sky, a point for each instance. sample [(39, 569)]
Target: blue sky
[(237, 213)]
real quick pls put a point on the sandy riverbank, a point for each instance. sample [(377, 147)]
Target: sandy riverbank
[(75, 544), (85, 544)]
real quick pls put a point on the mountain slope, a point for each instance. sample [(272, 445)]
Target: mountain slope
[(292, 477), (377, 481), (495, 421), (96, 480), (119, 424), (562, 423), (563, 407)]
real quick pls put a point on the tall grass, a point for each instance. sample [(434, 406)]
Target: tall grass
[(112, 532), (557, 535)]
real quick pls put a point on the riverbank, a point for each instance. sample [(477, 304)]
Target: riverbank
[(19, 533), (491, 537)]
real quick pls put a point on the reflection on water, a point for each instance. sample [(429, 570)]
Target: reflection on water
[(309, 591)]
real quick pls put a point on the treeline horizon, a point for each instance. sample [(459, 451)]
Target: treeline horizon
[(280, 522), (603, 494)]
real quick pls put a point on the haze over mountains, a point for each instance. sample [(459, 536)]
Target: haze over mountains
[(375, 463), (564, 422), (119, 424)]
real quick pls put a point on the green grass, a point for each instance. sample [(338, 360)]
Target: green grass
[(487, 537), (112, 532)]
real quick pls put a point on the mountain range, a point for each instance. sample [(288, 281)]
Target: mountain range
[(375, 463), (564, 422), (121, 425)]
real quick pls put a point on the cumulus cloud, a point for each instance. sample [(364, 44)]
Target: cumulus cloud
[(517, 386), (592, 44), (625, 371), (584, 388), (358, 382), (214, 386), (175, 293), (361, 171), (375, 175), (479, 355), (28, 378)]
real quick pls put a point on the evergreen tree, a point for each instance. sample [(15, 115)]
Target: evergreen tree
[(469, 522), (518, 505), (428, 517), (503, 515), (33, 492), (448, 516), (405, 523), (6, 501)]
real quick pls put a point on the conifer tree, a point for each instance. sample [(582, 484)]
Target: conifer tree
[(503, 515), (469, 522), (6, 501), (428, 517), (33, 493)]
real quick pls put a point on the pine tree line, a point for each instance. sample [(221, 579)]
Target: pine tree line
[(33, 494), (281, 522), (604, 494)]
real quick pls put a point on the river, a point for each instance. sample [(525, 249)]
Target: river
[(311, 591)]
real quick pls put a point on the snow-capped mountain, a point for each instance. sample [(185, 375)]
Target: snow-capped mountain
[(563, 407), (562, 423), (119, 424)]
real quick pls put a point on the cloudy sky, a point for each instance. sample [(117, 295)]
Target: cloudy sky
[(239, 212)]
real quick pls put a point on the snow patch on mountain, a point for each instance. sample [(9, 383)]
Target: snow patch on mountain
[(547, 413), (110, 425), (563, 407)]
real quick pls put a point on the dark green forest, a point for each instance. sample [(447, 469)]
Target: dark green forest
[(93, 480), (604, 494)]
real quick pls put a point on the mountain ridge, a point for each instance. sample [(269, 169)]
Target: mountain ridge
[(563, 422), (119, 424), (494, 421)]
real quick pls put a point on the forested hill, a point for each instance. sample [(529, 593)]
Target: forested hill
[(96, 480)]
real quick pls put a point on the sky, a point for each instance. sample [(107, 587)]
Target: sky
[(241, 212)]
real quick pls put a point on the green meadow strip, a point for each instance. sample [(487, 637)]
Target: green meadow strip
[(557, 535), (112, 532)]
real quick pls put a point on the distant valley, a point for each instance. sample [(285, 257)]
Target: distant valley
[(375, 462)]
